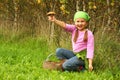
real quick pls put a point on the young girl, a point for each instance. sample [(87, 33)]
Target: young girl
[(82, 40)]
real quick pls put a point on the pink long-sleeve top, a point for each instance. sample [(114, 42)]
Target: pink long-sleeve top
[(80, 45)]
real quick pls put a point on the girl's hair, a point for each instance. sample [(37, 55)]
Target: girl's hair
[(76, 35), (85, 38)]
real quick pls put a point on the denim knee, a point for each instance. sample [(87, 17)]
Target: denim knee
[(58, 50), (59, 53), (65, 66)]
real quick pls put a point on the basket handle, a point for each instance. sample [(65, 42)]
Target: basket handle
[(52, 54)]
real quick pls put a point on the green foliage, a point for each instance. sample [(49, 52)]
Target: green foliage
[(63, 7), (107, 54)]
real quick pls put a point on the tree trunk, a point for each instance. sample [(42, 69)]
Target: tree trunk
[(15, 16), (108, 4), (77, 5), (52, 25), (83, 3)]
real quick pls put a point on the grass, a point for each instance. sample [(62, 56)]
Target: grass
[(22, 60)]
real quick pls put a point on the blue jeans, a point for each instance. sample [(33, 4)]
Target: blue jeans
[(72, 63)]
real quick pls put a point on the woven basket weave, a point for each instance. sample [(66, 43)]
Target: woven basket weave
[(52, 65)]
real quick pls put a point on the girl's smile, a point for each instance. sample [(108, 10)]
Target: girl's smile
[(81, 24)]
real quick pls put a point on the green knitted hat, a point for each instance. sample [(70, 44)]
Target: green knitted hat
[(81, 14)]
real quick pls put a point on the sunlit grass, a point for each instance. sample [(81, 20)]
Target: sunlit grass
[(22, 60)]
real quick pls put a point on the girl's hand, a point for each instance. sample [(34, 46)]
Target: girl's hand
[(90, 67), (51, 16)]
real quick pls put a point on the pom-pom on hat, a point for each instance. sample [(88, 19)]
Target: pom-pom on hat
[(81, 14)]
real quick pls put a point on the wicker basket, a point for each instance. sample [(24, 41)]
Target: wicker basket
[(52, 65)]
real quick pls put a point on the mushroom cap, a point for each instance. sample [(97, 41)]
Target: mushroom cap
[(51, 13)]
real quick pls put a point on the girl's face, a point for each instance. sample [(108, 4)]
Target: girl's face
[(81, 24)]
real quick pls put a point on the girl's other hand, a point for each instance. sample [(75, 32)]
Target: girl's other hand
[(90, 67)]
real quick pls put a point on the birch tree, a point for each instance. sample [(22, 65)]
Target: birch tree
[(15, 15)]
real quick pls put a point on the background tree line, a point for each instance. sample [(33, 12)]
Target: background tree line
[(27, 18)]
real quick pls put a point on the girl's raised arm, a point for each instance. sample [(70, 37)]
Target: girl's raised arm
[(51, 17)]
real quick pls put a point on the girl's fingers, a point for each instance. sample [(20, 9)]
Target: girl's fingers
[(90, 68)]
